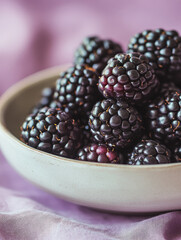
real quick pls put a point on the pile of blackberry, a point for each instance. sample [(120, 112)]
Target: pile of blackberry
[(113, 106)]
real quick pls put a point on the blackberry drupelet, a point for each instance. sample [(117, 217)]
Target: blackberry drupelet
[(115, 123), (76, 90), (164, 117), (99, 153), (149, 152), (46, 98), (162, 48), (177, 153), (128, 77), (52, 130), (96, 52)]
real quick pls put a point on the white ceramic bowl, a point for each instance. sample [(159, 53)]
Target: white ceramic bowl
[(120, 188)]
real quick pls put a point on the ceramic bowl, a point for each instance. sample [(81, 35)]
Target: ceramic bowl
[(118, 188)]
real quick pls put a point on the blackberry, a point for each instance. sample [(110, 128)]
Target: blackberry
[(53, 131), (177, 153), (76, 90), (149, 152), (46, 98), (161, 47), (99, 153), (164, 117), (115, 123), (129, 77), (96, 52)]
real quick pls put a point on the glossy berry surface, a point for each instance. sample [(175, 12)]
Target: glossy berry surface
[(99, 153), (52, 131), (115, 123), (129, 77), (161, 47), (149, 152), (76, 90), (164, 118), (96, 52)]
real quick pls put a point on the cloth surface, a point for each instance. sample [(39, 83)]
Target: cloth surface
[(38, 34)]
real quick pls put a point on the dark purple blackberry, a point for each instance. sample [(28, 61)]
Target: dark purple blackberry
[(99, 153), (76, 90), (52, 130), (177, 154), (96, 52), (46, 98), (164, 118), (149, 152), (115, 123), (128, 77), (162, 48)]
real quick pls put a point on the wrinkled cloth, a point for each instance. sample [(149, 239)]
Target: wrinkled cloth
[(33, 214), (38, 34)]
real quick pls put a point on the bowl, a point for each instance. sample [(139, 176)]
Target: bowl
[(110, 187)]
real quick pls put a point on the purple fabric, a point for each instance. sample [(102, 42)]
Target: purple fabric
[(38, 34)]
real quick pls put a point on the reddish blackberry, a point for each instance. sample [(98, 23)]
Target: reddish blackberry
[(115, 123), (177, 153), (96, 52), (164, 118), (52, 130), (46, 98), (99, 153), (129, 77), (76, 90), (162, 48), (149, 152)]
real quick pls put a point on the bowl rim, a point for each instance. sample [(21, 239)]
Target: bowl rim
[(40, 76)]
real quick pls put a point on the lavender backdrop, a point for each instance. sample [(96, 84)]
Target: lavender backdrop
[(38, 34)]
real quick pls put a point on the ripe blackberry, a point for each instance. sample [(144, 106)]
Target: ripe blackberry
[(96, 52), (76, 90), (115, 123), (162, 48), (149, 152), (99, 153), (129, 77), (53, 131), (46, 98), (164, 117), (177, 153)]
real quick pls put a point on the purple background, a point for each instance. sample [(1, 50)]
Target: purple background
[(38, 34)]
